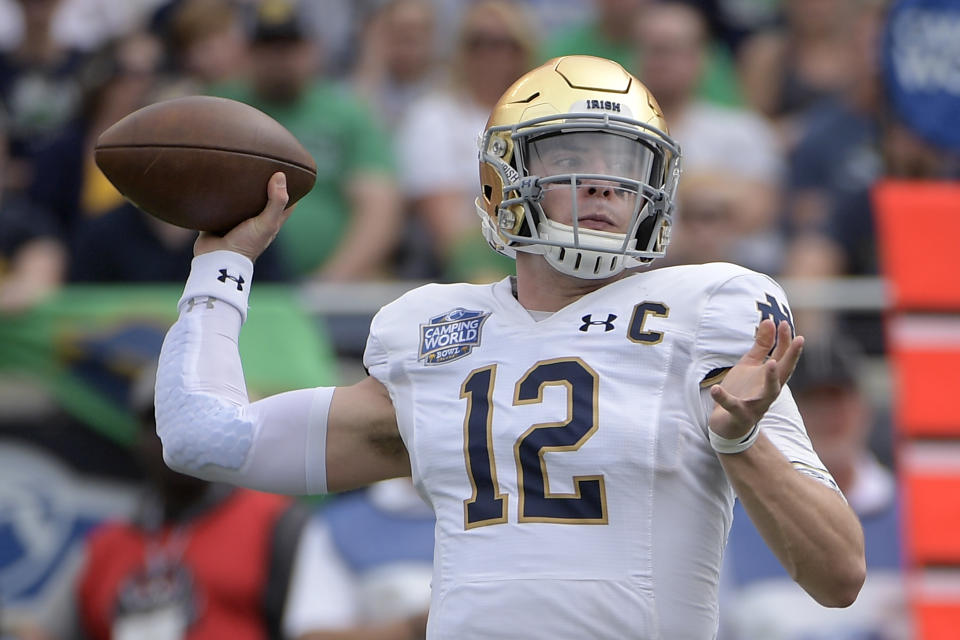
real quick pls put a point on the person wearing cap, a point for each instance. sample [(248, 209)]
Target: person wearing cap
[(762, 600), (347, 226), (33, 254)]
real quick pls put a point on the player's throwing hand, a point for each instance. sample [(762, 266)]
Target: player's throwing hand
[(252, 236)]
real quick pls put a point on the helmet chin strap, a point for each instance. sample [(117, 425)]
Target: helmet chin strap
[(589, 264)]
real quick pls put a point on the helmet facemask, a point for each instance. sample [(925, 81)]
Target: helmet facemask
[(606, 181)]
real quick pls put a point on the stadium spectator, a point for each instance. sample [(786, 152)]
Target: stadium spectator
[(611, 35), (124, 76), (128, 245), (42, 91), (371, 552), (88, 25), (845, 146), (347, 226), (733, 21), (436, 144), (33, 256), (788, 68), (762, 600), (337, 27), (825, 187), (671, 38), (705, 226), (200, 560), (208, 41), (399, 58), (607, 34)]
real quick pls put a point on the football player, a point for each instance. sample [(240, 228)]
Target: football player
[(580, 429)]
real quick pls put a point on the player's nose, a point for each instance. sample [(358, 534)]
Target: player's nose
[(598, 188)]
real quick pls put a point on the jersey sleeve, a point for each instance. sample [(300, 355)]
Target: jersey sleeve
[(727, 328), (391, 338), (375, 354), (730, 318)]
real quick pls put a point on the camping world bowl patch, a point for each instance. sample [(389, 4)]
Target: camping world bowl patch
[(450, 336)]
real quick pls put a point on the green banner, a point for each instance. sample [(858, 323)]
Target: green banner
[(88, 343)]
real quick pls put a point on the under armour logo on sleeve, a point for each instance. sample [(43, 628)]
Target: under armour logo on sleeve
[(224, 276), (207, 301), (588, 322)]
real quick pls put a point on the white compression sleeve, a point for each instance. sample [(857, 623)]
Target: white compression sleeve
[(207, 426)]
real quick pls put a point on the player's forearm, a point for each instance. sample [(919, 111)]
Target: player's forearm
[(208, 428), (809, 527)]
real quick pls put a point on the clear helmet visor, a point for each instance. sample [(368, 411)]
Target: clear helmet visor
[(593, 179), (594, 187), (590, 152)]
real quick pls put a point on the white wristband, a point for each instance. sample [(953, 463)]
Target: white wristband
[(223, 275), (734, 445)]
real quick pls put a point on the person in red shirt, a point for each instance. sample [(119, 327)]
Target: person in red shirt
[(200, 560)]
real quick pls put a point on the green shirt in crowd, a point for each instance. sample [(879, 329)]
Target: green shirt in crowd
[(718, 85), (345, 139)]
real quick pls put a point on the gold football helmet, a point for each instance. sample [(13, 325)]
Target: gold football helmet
[(583, 132)]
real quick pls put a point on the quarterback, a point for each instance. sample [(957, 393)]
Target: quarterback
[(581, 429)]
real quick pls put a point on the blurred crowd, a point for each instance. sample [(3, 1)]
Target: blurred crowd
[(778, 106)]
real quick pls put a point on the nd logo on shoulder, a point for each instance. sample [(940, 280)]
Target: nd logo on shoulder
[(771, 308)]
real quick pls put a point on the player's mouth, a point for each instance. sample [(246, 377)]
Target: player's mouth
[(597, 222)]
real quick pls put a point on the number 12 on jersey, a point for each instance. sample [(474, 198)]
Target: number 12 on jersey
[(488, 505)]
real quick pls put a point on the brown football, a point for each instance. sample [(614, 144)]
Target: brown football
[(202, 162)]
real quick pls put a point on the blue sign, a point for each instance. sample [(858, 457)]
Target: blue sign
[(921, 65), (46, 512)]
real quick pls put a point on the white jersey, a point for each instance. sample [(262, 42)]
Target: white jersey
[(567, 459)]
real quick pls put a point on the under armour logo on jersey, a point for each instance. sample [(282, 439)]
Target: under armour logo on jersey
[(588, 322), (205, 300), (224, 276)]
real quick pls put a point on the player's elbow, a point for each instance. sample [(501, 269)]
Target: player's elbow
[(177, 454), (175, 462), (849, 587), (844, 584), (202, 435), (843, 594)]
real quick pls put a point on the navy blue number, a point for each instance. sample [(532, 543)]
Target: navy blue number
[(587, 504), (486, 504)]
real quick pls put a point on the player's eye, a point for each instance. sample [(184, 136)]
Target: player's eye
[(622, 165), (568, 162)]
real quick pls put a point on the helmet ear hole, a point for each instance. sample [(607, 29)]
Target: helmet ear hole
[(524, 229), (645, 230)]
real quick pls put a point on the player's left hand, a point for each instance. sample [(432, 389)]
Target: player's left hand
[(751, 386)]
